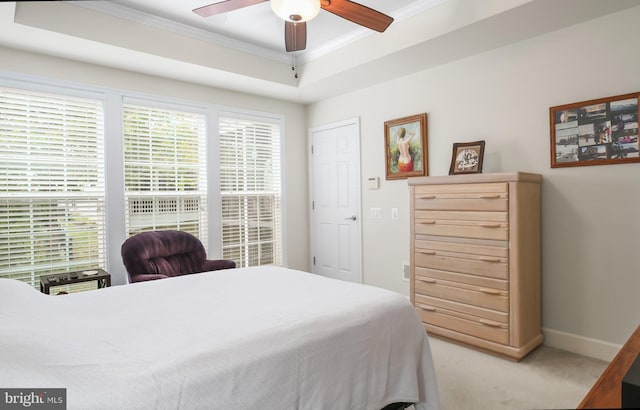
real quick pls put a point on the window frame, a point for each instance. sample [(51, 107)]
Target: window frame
[(202, 158), (62, 93), (278, 121)]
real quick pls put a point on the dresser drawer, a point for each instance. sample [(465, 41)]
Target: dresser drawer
[(428, 302), (475, 280), (460, 322), (489, 298), (490, 266), (477, 216), (463, 229), (454, 245), (462, 197)]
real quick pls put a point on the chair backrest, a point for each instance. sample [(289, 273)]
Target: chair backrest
[(170, 253)]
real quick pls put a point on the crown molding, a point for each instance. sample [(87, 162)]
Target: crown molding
[(136, 16)]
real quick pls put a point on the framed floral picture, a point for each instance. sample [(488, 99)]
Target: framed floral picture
[(405, 142), (467, 158)]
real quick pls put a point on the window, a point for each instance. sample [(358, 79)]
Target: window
[(165, 170), (250, 190), (58, 169), (52, 200)]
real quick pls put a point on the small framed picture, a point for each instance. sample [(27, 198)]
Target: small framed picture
[(467, 158), (405, 143)]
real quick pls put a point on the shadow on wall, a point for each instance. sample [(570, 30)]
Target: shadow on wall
[(564, 238), (579, 254), (492, 159)]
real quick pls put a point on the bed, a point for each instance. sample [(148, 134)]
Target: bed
[(251, 338)]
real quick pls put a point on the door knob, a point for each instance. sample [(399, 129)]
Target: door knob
[(351, 218)]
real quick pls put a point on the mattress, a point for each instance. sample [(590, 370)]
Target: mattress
[(250, 338)]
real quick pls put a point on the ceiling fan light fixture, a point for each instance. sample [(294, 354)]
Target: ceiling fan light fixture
[(296, 11)]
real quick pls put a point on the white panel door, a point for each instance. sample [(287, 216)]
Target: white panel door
[(335, 201)]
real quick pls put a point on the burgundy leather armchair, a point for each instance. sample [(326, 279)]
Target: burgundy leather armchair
[(163, 254)]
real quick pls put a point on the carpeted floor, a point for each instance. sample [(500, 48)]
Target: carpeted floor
[(547, 378)]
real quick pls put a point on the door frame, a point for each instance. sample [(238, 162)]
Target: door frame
[(352, 121)]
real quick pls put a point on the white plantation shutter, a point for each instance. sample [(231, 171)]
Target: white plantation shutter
[(52, 198), (165, 170), (251, 191)]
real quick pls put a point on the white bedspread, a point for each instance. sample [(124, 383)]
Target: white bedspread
[(253, 338)]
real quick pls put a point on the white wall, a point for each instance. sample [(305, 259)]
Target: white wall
[(295, 131), (591, 222)]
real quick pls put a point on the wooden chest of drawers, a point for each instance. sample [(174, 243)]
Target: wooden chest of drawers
[(475, 259)]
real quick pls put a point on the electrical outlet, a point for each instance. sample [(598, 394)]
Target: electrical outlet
[(406, 271)]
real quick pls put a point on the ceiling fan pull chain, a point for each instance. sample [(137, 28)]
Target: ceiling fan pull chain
[(293, 65), (293, 55)]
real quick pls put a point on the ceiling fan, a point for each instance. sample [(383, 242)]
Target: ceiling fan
[(296, 13)]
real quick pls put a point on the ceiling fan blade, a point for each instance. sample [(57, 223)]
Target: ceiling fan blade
[(224, 6), (295, 36), (358, 14)]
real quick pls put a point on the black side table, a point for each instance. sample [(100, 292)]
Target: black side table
[(102, 277)]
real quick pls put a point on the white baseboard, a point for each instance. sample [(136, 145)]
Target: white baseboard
[(581, 345)]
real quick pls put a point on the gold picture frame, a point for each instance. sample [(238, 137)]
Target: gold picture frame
[(405, 147)]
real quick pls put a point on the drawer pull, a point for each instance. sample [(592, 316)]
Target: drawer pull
[(427, 252), (489, 225), (489, 323), (425, 280), (427, 197), (489, 291), (426, 307), (427, 222), (489, 196), (494, 260)]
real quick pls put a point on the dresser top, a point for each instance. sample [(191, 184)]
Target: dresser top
[(474, 178)]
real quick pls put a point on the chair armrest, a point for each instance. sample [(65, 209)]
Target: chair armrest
[(217, 264), (143, 277)]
